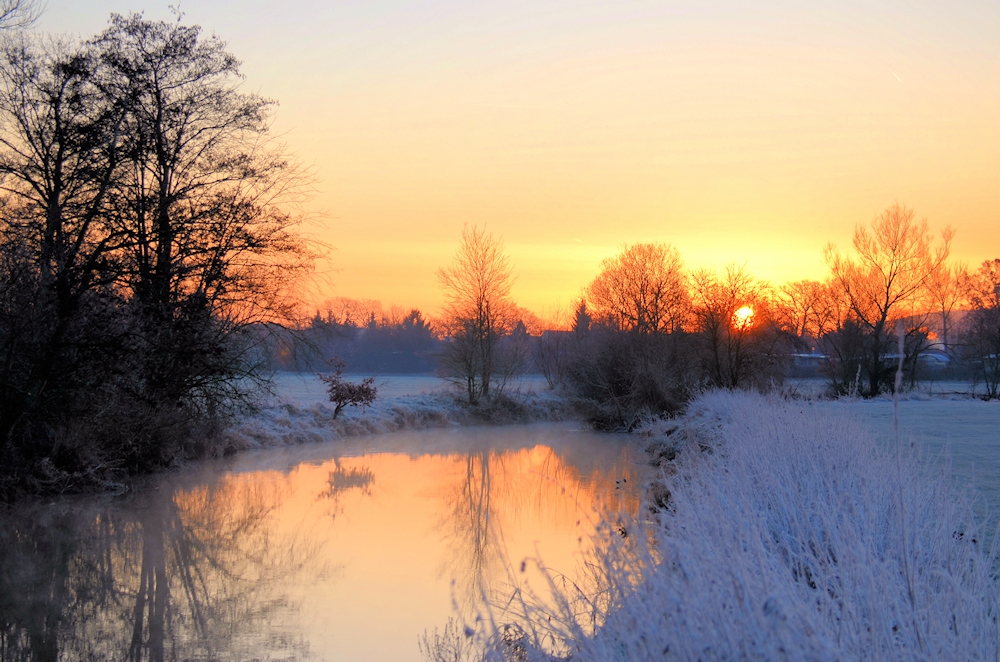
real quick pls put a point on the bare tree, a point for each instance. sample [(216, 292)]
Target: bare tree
[(981, 337), (945, 292), (630, 355), (643, 288), (808, 309), (738, 343), (884, 283), (202, 175), (18, 14), (478, 312), (60, 146), (203, 200)]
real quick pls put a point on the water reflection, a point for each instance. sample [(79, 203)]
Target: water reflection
[(172, 574), (331, 552), (342, 480), (500, 507)]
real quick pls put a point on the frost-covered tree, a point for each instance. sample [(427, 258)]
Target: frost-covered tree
[(478, 314), (885, 282), (344, 393)]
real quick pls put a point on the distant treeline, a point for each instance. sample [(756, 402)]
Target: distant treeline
[(648, 334), (371, 338), (386, 344)]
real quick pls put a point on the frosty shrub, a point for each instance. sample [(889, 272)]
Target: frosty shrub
[(344, 393), (790, 533), (622, 377)]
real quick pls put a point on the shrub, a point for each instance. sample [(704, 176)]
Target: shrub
[(623, 377), (344, 393)]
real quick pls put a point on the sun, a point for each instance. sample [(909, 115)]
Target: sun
[(743, 317)]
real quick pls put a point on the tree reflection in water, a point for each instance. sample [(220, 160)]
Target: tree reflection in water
[(343, 480), (174, 575), (496, 495), (239, 565)]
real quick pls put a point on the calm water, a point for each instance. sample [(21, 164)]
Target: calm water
[(341, 551)]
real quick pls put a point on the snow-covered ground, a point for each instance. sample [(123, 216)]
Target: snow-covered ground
[(815, 387), (794, 530), (963, 432), (942, 418), (300, 410)]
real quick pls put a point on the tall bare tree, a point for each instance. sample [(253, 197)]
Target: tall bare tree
[(808, 309), (479, 312), (944, 293), (643, 288), (884, 282), (197, 199)]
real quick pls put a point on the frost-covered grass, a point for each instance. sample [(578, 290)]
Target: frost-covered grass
[(790, 532), (819, 387), (300, 412), (962, 432)]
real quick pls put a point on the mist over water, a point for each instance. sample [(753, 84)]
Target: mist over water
[(346, 550)]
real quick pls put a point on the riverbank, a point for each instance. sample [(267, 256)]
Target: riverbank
[(785, 529), (299, 412)]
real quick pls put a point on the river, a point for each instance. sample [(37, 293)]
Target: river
[(347, 550)]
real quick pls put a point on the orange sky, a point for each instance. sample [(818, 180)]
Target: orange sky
[(739, 134)]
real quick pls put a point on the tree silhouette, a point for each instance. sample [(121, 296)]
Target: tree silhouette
[(643, 288), (737, 343), (893, 263), (479, 312), (145, 229)]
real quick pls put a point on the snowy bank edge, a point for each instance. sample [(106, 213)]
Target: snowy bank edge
[(751, 487), (286, 423)]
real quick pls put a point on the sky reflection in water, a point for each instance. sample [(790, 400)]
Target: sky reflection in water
[(349, 550)]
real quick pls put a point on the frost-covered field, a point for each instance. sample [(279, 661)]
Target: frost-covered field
[(793, 530), (962, 432), (299, 410)]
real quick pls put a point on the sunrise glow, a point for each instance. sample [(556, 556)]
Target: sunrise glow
[(425, 330), (736, 133), (743, 317)]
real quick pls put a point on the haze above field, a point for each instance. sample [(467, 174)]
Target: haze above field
[(739, 134)]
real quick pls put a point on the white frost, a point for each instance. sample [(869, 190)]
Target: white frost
[(792, 532)]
